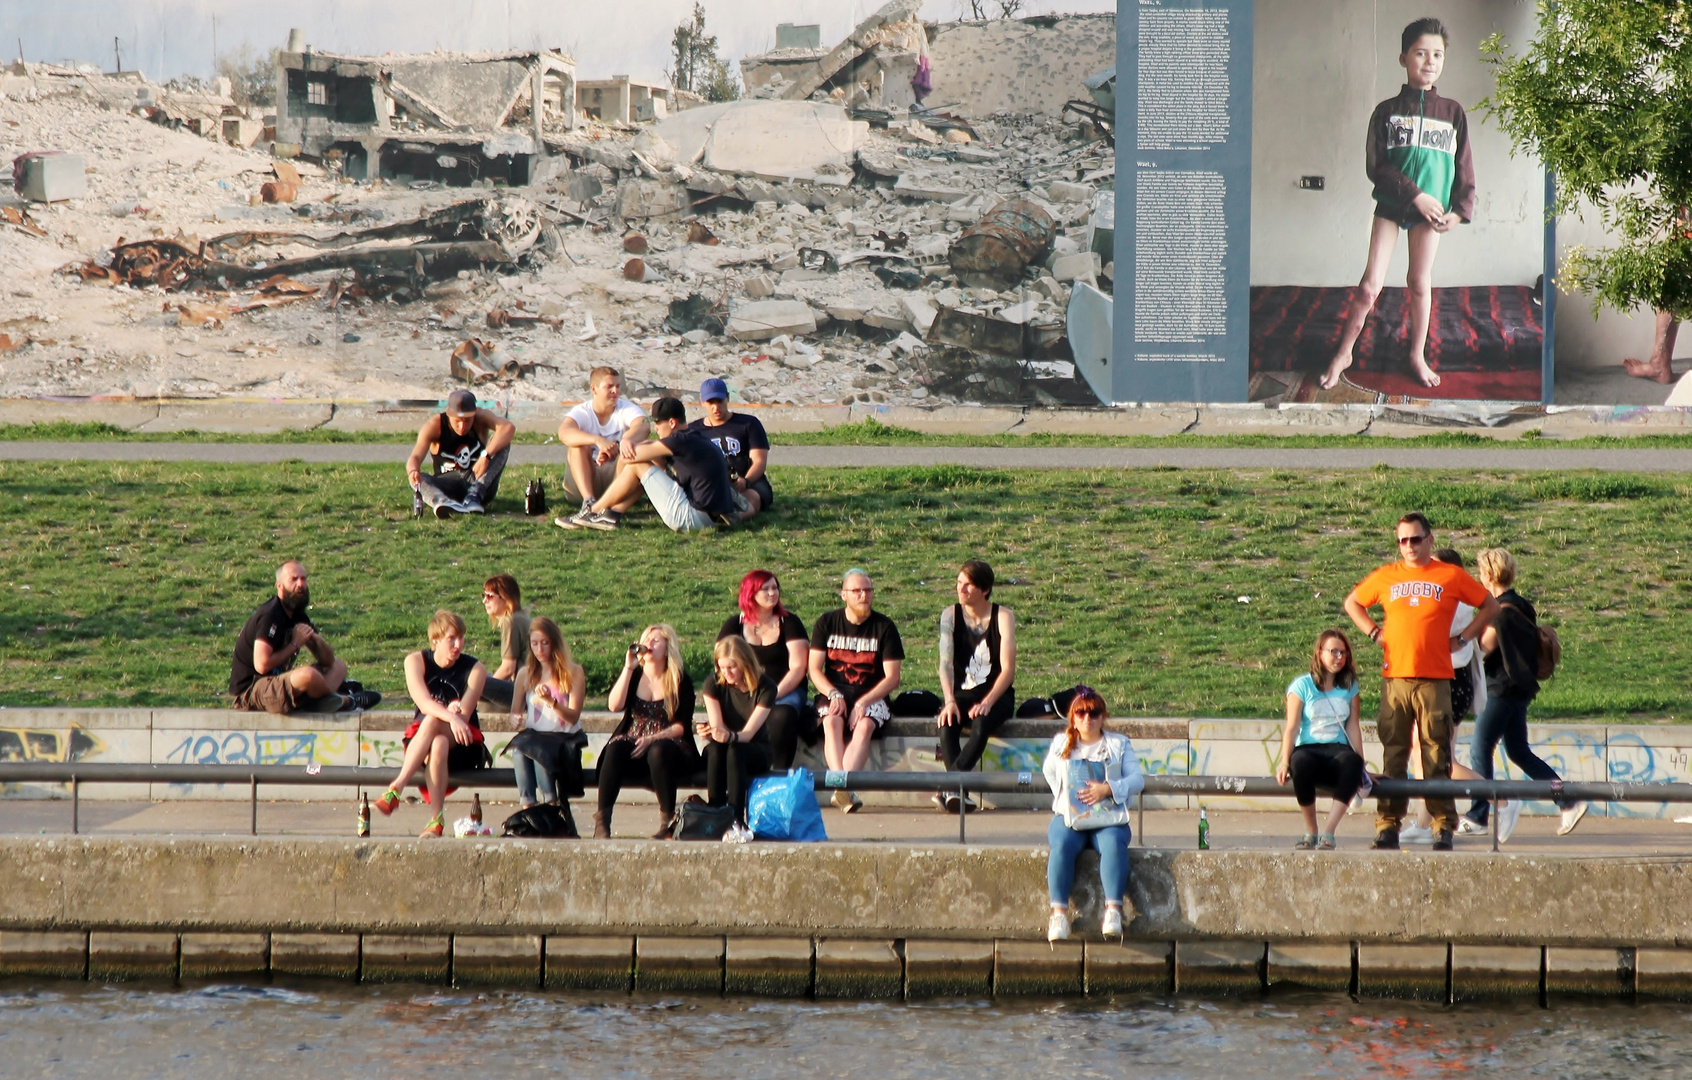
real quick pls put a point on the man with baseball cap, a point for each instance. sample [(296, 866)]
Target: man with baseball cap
[(698, 496), (469, 445), (739, 436)]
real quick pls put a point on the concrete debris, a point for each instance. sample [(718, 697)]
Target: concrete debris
[(765, 319), (754, 230), (50, 176), (774, 140)]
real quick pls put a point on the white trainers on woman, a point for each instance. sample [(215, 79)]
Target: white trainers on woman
[(1057, 927), (1509, 812), (1571, 818), (1112, 924)]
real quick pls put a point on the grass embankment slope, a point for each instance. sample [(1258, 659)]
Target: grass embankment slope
[(125, 584)]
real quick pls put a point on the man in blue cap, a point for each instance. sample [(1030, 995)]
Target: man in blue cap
[(740, 437)]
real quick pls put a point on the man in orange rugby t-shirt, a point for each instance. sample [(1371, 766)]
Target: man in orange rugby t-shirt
[(1419, 596)]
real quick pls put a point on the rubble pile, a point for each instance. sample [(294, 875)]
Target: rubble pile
[(805, 250)]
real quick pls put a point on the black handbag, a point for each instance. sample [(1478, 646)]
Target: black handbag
[(544, 820), (696, 820)]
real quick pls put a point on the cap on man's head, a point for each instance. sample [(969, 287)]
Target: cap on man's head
[(461, 403), (713, 390), (668, 408)]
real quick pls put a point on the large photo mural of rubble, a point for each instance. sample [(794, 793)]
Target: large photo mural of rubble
[(1338, 164), (894, 216)]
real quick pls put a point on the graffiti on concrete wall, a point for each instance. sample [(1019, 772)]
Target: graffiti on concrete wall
[(33, 745), (259, 748)]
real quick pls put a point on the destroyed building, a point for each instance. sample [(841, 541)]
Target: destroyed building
[(451, 118), (622, 100), (883, 64)]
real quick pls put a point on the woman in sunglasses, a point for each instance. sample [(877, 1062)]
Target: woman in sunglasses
[(502, 599), (1093, 773)]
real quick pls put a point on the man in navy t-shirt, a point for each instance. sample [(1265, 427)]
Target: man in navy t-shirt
[(740, 437), (694, 494)]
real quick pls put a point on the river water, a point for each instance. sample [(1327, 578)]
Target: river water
[(322, 1031)]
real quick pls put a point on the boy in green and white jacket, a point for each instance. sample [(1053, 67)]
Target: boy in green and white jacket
[(1418, 158)]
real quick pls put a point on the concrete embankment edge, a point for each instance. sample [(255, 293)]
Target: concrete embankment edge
[(258, 415), (838, 920)]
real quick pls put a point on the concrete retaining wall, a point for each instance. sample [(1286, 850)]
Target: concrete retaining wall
[(1595, 752), (250, 415), (837, 920)]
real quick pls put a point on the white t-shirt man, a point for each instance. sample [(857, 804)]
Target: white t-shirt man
[(622, 418)]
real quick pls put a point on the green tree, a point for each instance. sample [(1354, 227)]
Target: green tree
[(1603, 96), (252, 75), (696, 64)]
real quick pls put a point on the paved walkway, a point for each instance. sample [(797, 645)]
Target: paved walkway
[(1520, 457), (1177, 829)]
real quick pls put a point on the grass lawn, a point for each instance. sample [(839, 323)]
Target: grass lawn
[(125, 584), (872, 433)]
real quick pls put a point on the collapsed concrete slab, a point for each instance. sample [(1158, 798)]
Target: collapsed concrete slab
[(776, 140), (765, 319)]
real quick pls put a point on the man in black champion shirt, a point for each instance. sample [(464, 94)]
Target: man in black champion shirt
[(470, 446), (856, 654), (262, 677)]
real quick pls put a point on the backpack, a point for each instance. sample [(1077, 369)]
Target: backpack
[(1550, 652)]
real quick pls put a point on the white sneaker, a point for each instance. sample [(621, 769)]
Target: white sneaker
[(1413, 833), (1057, 927), (1112, 924), (1509, 812), (1468, 826), (738, 834), (1571, 818)]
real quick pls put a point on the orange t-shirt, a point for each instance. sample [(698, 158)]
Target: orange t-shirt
[(1420, 602)]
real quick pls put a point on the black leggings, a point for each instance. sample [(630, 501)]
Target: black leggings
[(729, 768), (787, 726), (968, 756), (665, 765), (1335, 766)]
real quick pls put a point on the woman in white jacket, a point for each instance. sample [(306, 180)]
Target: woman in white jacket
[(1093, 773)]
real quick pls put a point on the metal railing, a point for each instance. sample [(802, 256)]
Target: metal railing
[(1025, 783)]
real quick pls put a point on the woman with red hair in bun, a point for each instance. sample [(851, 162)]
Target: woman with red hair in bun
[(780, 642)]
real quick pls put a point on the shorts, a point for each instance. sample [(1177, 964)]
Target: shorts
[(271, 694), (602, 477), (766, 495), (1405, 219), (673, 506), (877, 712)]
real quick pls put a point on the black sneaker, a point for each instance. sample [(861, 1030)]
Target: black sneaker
[(360, 700), (444, 510), (1386, 840), (351, 686), (1442, 840)]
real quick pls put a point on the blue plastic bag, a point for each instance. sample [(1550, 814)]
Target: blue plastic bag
[(784, 807)]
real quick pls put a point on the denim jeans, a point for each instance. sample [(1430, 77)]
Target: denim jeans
[(1505, 719), (529, 771), (1110, 842)]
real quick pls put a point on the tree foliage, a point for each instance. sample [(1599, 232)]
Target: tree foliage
[(696, 63), (252, 75), (983, 10), (1603, 96)]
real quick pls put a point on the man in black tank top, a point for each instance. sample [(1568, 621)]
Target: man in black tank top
[(470, 446), (977, 670)]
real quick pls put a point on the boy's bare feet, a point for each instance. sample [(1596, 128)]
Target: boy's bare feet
[(1428, 375), (1648, 369), (1336, 367)]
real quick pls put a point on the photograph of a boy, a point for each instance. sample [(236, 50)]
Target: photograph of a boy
[(1418, 159)]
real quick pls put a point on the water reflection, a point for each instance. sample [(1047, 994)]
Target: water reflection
[(332, 1030)]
